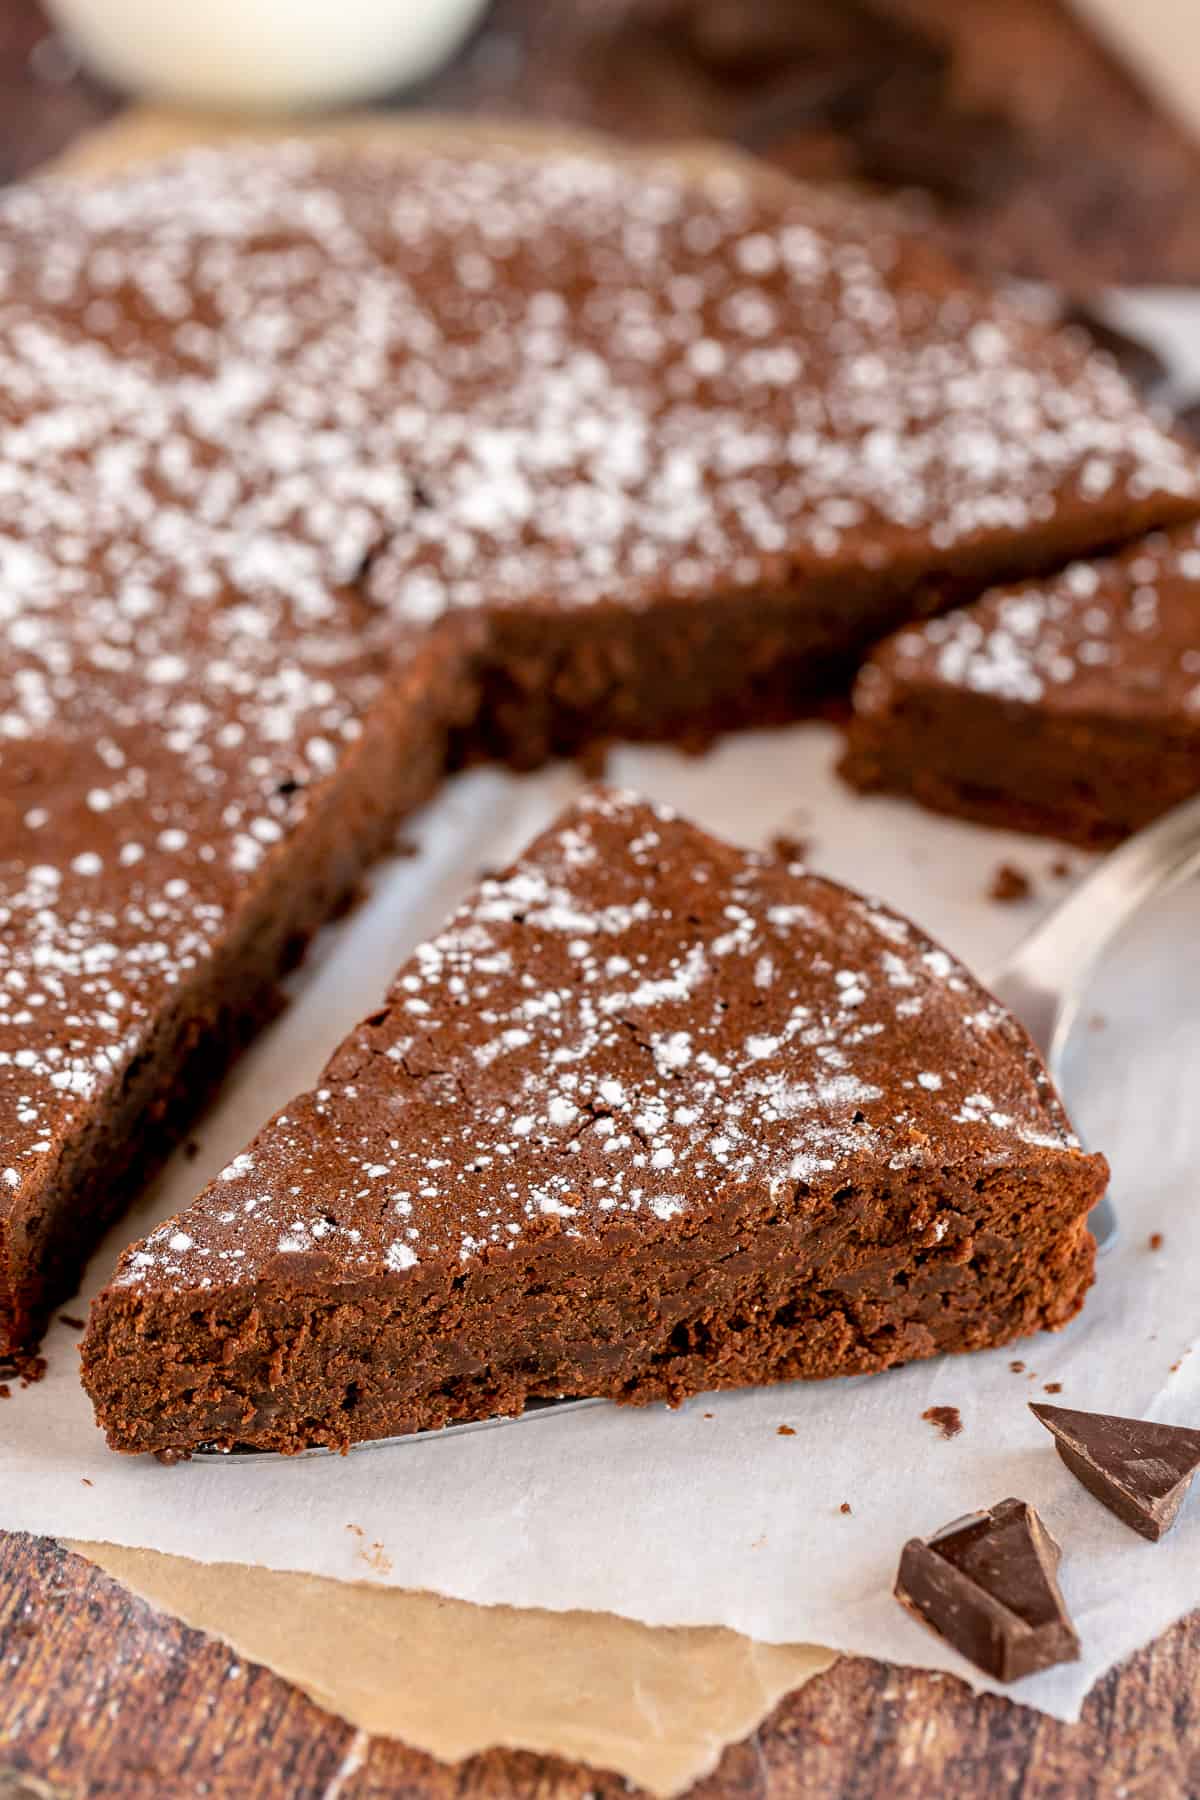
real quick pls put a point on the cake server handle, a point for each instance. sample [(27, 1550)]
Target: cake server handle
[(1045, 979)]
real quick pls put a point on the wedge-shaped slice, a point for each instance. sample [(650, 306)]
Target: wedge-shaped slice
[(652, 1115), (1069, 706)]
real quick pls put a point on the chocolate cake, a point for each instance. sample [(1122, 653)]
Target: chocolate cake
[(321, 469), (1069, 706), (651, 1115)]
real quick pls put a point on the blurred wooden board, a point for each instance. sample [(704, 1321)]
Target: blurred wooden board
[(100, 1695), (1038, 148), (1041, 150)]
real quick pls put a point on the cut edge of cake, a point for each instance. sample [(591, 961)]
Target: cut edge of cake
[(1067, 707)]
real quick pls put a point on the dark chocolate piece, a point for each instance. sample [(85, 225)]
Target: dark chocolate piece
[(1069, 706), (651, 1115), (1139, 1469), (988, 1585)]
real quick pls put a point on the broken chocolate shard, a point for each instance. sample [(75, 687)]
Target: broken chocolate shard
[(1140, 1470), (987, 1584)]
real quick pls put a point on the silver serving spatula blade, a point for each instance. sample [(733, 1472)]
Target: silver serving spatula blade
[(1046, 978)]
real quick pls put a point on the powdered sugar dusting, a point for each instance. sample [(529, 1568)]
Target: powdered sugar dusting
[(230, 385), (1113, 636), (593, 1049)]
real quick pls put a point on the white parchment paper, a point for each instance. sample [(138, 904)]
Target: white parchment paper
[(707, 1515)]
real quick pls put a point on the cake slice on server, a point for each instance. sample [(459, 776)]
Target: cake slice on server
[(652, 1115), (1069, 706)]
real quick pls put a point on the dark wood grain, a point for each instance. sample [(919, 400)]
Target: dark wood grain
[(102, 1696)]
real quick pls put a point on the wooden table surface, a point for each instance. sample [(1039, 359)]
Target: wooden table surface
[(101, 1695)]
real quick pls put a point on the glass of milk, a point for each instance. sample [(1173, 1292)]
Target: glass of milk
[(264, 55)]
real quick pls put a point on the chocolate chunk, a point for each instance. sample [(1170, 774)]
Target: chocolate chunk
[(1140, 1470), (987, 1584)]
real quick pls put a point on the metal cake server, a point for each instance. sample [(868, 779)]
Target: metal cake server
[(1045, 979), (1043, 982)]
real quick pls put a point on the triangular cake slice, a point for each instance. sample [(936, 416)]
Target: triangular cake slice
[(1139, 1469), (651, 1115), (1069, 706)]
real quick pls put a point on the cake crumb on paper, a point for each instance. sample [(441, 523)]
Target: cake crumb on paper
[(592, 760), (377, 1558), (945, 1419), (1009, 884), (790, 849)]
